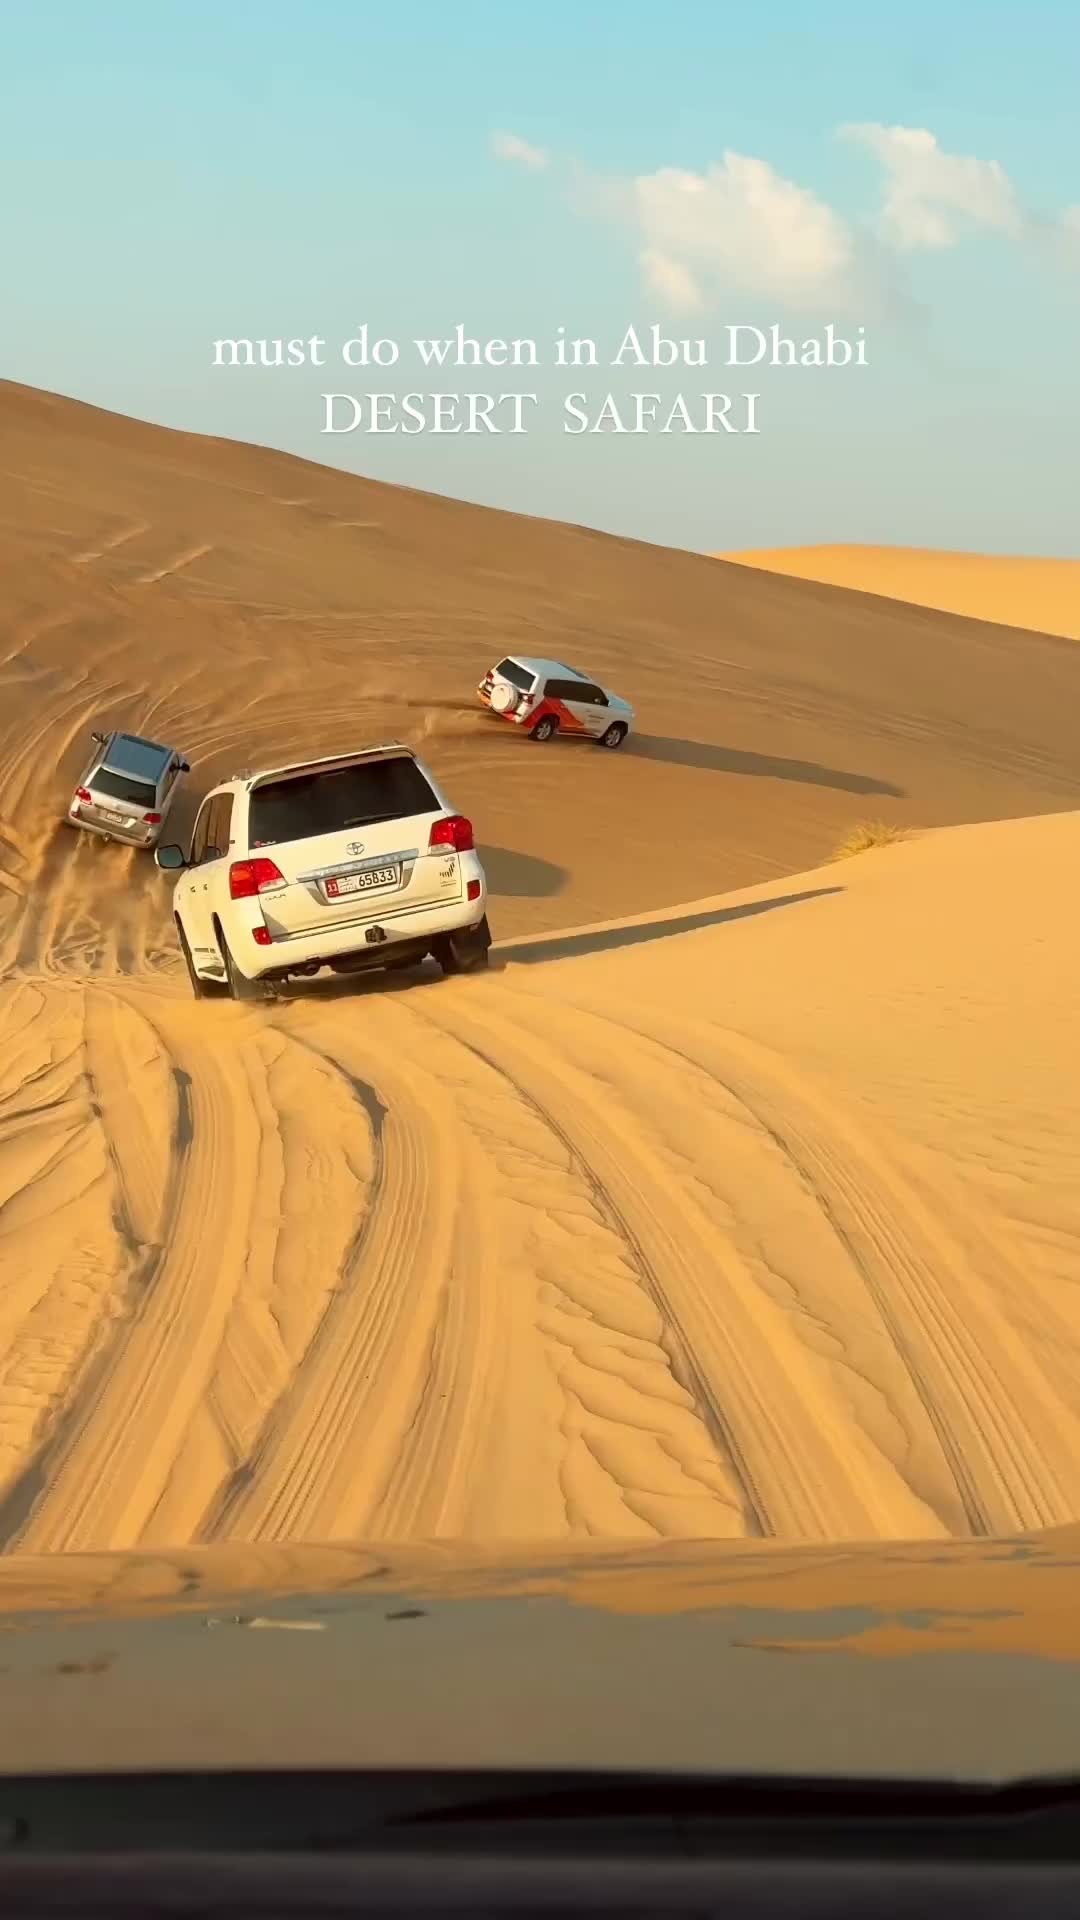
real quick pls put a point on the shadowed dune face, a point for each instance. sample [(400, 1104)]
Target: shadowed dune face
[(568, 946), (628, 1202), (761, 766)]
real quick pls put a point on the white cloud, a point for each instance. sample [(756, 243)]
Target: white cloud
[(673, 282), (1064, 239), (740, 225), (931, 195), (510, 146)]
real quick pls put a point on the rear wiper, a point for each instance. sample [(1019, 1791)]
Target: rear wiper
[(371, 819)]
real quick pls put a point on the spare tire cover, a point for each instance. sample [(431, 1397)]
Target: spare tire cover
[(504, 699)]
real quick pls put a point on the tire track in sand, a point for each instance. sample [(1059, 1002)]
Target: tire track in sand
[(1012, 1462), (585, 1397), (58, 1252), (499, 1355), (29, 793), (91, 908), (328, 1452), (750, 1376), (429, 1492), (113, 1078), (1010, 1444), (111, 1461), (318, 1181)]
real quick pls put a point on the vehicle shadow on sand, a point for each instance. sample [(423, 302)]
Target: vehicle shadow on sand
[(712, 759), (568, 946), (531, 953), (521, 876), (356, 986)]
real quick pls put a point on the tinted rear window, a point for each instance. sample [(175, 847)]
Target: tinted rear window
[(517, 675), (311, 804), (117, 786)]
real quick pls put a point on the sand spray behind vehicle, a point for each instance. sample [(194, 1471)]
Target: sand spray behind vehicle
[(446, 720)]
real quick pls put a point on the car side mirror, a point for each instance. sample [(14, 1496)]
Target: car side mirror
[(98, 739), (183, 766), (170, 859)]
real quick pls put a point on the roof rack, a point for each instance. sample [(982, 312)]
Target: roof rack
[(296, 768)]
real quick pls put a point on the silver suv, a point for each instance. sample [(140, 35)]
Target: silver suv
[(126, 789)]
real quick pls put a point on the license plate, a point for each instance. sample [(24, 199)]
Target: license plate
[(114, 819), (345, 883)]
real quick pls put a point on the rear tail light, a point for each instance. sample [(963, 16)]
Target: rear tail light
[(473, 889), (250, 877), (152, 819), (261, 936), (456, 833), (81, 793)]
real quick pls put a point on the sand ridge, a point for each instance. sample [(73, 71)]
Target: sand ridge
[(1011, 589), (730, 1205)]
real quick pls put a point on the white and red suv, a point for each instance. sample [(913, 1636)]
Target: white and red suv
[(547, 697), (352, 862)]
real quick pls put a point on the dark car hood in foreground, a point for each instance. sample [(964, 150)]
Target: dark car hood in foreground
[(957, 1659)]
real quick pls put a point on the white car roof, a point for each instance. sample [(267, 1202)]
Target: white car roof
[(255, 775)]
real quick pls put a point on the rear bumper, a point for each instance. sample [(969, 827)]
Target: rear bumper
[(149, 839), (404, 933), (367, 960)]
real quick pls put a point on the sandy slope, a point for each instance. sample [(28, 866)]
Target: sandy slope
[(759, 1218), (1014, 589), (755, 1217)]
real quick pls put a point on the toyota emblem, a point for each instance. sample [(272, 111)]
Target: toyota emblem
[(355, 846)]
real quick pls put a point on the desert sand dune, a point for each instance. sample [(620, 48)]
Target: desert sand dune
[(753, 1216), (1012, 589)]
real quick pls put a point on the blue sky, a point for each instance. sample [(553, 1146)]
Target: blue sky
[(182, 172)]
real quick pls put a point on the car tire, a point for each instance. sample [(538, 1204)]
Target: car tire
[(614, 736), (545, 729), (202, 989), (238, 984), (464, 952)]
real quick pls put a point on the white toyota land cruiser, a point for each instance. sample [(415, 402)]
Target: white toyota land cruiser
[(351, 862)]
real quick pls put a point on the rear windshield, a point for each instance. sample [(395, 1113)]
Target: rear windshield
[(316, 803), (119, 786), (517, 675)]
